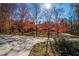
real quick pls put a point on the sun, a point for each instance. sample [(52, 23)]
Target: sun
[(48, 5)]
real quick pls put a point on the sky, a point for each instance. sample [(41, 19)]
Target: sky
[(56, 11)]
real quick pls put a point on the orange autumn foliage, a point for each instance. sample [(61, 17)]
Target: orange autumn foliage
[(58, 26), (28, 25), (61, 26)]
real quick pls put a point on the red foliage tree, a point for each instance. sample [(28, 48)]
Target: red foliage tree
[(61, 26), (28, 25)]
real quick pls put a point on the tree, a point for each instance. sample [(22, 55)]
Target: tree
[(72, 17), (61, 26), (76, 23), (14, 26), (23, 13), (35, 15), (28, 26), (5, 17), (57, 13), (12, 9)]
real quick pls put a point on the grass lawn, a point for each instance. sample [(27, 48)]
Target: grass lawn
[(62, 47)]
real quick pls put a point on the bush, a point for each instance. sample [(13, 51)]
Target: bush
[(67, 47)]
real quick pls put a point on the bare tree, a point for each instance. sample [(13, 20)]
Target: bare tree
[(23, 13), (37, 10), (77, 19)]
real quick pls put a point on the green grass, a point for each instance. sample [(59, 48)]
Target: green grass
[(62, 47), (39, 49)]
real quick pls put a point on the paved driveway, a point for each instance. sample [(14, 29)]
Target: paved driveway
[(18, 45)]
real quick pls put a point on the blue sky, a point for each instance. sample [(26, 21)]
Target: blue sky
[(64, 11)]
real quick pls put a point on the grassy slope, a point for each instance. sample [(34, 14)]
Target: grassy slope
[(62, 46)]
